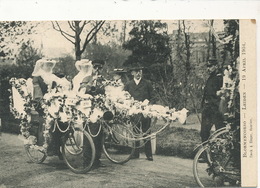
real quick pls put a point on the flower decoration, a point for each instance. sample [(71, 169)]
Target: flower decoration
[(65, 105)]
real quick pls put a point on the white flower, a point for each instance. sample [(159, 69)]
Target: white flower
[(182, 115), (64, 117), (145, 102), (53, 110), (32, 140), (159, 108), (71, 101), (96, 114)]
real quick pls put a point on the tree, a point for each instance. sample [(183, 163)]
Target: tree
[(150, 46), (148, 43), (12, 35), (27, 55), (232, 32), (76, 31)]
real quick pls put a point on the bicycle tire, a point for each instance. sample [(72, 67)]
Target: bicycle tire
[(231, 173), (118, 144), (35, 151), (218, 132), (196, 162), (35, 154), (200, 173), (82, 158)]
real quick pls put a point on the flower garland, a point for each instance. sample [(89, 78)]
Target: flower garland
[(123, 102), (19, 85)]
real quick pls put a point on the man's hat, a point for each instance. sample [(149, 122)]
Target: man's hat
[(119, 71), (98, 63), (212, 61), (135, 67)]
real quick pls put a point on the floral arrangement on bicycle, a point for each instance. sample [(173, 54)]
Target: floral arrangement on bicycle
[(66, 105)]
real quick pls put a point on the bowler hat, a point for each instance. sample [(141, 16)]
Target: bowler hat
[(98, 63), (119, 71), (135, 67), (212, 61)]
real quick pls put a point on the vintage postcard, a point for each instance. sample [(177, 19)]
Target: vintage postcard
[(128, 103)]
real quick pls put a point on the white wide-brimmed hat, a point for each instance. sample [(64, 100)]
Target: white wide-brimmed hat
[(39, 64), (83, 62)]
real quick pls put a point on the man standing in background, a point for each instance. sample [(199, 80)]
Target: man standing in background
[(141, 89), (210, 102)]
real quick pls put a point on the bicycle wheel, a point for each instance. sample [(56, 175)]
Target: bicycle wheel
[(35, 154), (118, 143), (220, 165), (225, 152), (201, 169), (34, 150), (78, 151)]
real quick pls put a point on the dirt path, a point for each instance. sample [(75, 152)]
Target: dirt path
[(17, 171)]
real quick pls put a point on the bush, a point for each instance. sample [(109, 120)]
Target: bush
[(176, 141), (10, 125)]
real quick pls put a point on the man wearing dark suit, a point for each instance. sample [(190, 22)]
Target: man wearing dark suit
[(93, 86), (210, 102), (141, 89)]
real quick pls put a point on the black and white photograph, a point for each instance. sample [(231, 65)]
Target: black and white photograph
[(121, 103), (115, 93)]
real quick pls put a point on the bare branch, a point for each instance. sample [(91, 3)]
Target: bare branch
[(86, 22), (82, 27), (72, 23), (71, 26), (92, 32), (62, 32)]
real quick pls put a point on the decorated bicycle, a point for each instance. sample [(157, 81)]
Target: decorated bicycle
[(70, 114)]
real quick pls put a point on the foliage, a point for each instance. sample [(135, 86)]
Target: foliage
[(66, 67), (148, 43), (12, 35), (114, 55), (231, 48), (27, 55)]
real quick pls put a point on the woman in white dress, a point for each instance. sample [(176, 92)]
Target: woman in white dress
[(85, 69), (43, 81)]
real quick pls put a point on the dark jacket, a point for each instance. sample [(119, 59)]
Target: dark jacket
[(40, 88), (38, 81), (93, 87), (142, 91), (213, 84)]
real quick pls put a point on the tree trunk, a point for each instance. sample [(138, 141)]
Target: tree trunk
[(187, 62), (77, 41), (213, 42)]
